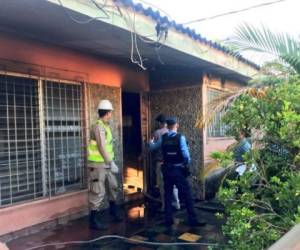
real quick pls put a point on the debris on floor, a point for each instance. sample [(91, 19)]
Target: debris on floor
[(139, 230)]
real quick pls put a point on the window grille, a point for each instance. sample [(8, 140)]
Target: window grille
[(20, 155), (64, 143), (217, 128), (41, 139)]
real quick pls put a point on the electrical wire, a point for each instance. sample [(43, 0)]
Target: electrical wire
[(158, 55), (131, 24), (103, 5), (145, 38), (77, 20), (101, 8), (126, 239), (134, 45), (233, 12), (141, 60), (158, 43)]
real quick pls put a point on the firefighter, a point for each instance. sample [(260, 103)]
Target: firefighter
[(176, 158), (102, 167)]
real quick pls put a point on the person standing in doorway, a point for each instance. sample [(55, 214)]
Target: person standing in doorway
[(102, 167), (176, 157), (158, 159)]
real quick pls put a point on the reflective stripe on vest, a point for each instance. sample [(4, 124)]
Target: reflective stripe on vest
[(93, 151)]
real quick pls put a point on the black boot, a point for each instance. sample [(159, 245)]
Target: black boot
[(197, 223), (94, 223), (169, 222), (113, 212)]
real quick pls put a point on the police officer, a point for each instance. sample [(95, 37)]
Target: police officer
[(102, 167), (162, 124), (176, 157)]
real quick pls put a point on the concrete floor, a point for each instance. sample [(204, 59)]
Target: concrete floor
[(142, 221)]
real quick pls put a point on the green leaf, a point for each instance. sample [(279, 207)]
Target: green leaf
[(262, 40)]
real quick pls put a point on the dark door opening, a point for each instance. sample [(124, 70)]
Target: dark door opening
[(132, 143)]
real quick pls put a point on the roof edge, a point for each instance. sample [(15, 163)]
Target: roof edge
[(156, 16)]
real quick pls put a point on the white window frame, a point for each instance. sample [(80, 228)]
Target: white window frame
[(221, 130)]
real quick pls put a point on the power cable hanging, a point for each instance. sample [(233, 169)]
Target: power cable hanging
[(134, 45), (160, 36), (88, 20), (141, 60), (233, 12), (159, 42), (157, 48), (98, 4), (101, 8)]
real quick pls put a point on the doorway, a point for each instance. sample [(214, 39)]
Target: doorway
[(133, 173)]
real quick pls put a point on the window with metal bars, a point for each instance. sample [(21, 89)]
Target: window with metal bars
[(216, 128), (64, 143), (41, 144), (20, 151)]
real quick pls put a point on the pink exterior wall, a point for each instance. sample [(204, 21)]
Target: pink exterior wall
[(32, 57), (17, 217), (216, 144), (211, 144), (37, 57)]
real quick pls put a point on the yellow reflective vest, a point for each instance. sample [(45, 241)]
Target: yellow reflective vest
[(93, 151)]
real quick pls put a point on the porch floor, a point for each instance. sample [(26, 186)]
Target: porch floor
[(143, 221)]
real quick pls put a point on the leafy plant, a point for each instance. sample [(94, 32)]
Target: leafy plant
[(224, 159), (286, 65), (262, 40), (263, 205)]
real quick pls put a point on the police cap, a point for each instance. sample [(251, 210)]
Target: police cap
[(171, 121), (161, 118)]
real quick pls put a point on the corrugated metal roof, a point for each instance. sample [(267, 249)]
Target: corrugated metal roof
[(156, 16)]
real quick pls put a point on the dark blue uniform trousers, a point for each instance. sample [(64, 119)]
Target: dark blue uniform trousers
[(175, 176)]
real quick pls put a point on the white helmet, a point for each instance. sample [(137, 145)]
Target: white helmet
[(105, 105)]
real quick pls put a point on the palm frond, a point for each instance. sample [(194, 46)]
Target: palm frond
[(280, 45), (223, 102), (262, 40)]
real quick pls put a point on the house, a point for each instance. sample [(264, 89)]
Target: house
[(58, 58)]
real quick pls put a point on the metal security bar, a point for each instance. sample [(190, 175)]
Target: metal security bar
[(20, 156), (41, 138), (64, 136), (217, 128)]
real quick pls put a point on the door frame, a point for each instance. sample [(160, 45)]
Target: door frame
[(144, 126), (145, 136)]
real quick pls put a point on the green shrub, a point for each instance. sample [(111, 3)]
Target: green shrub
[(224, 159), (261, 206)]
